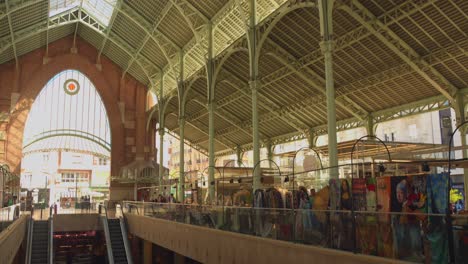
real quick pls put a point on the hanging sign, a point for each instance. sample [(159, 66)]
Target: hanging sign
[(71, 87)]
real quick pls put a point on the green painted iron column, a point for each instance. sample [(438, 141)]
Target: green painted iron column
[(211, 113), (326, 30), (312, 138), (181, 189), (162, 108), (161, 157), (239, 155), (181, 91), (211, 161), (370, 126), (461, 117), (270, 149), (254, 87)]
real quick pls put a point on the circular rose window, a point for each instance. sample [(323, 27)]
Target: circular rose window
[(71, 87)]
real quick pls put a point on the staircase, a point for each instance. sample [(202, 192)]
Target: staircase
[(117, 241), (40, 242)]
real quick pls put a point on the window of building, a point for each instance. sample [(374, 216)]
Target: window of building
[(68, 177), (389, 137), (73, 177), (102, 161)]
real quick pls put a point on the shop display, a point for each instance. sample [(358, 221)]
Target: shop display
[(366, 224), (436, 231), (241, 221), (385, 216), (384, 234), (408, 196), (359, 194)]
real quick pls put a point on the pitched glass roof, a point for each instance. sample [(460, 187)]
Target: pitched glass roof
[(99, 9)]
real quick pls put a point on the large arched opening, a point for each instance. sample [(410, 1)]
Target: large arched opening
[(66, 148)]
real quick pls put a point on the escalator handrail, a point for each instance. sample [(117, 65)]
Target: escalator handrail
[(105, 224), (51, 241), (123, 230), (30, 237), (121, 209), (129, 204)]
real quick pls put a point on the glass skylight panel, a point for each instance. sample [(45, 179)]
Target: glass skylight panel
[(59, 6), (101, 10)]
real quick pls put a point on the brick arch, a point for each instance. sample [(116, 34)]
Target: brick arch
[(32, 86)]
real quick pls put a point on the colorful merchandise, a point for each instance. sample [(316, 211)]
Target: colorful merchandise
[(408, 196), (366, 224), (359, 194), (436, 232), (384, 234)]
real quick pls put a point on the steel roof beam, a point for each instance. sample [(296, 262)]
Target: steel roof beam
[(140, 21), (167, 46), (312, 78), (264, 101), (11, 33), (349, 39), (381, 77), (109, 28), (274, 3), (419, 107), (226, 115), (56, 21), (77, 24), (19, 7), (47, 32), (159, 19), (202, 129), (365, 83), (189, 143), (121, 44), (225, 142), (195, 19), (400, 48), (96, 26), (426, 105)]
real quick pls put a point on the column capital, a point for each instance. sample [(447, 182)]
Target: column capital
[(370, 125), (180, 83), (254, 84), (327, 46), (161, 131), (209, 60), (312, 137), (212, 104)]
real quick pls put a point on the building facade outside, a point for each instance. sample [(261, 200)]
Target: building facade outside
[(64, 177)]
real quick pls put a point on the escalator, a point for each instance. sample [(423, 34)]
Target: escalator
[(39, 242), (117, 242)]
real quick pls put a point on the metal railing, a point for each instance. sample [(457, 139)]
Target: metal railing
[(43, 213), (29, 241), (397, 235), (51, 240), (105, 224), (8, 215), (123, 230)]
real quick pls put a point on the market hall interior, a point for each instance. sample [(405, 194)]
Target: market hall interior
[(233, 131)]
